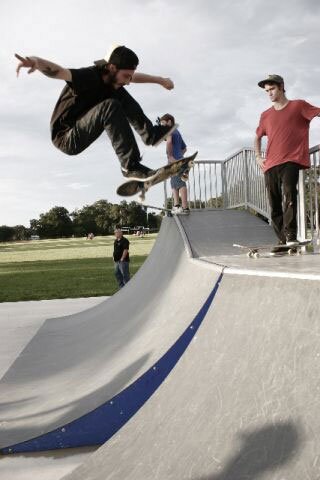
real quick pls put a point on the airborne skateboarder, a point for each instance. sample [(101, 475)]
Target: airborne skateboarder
[(94, 100)]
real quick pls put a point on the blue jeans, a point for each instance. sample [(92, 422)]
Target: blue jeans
[(122, 274)]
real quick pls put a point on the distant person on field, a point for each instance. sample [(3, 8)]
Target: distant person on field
[(121, 258), (176, 148)]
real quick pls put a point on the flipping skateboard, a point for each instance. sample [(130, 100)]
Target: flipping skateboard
[(253, 251), (179, 167)]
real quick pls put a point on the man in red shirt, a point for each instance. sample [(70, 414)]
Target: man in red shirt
[(286, 124)]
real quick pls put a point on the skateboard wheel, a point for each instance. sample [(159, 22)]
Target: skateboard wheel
[(256, 255), (249, 254)]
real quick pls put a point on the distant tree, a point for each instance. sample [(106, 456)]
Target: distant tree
[(154, 221), (100, 218), (55, 224), (136, 214), (6, 233), (84, 221), (34, 226), (21, 233), (102, 214)]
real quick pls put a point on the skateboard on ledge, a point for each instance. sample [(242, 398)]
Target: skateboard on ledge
[(253, 251)]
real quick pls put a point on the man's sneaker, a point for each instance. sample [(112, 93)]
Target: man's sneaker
[(161, 132), (281, 248), (291, 240), (176, 210), (138, 171)]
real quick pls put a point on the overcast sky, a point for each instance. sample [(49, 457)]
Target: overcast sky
[(215, 51)]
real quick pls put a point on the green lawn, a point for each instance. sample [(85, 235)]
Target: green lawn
[(46, 269)]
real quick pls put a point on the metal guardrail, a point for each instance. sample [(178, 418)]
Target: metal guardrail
[(238, 182), (204, 185), (309, 196), (244, 183)]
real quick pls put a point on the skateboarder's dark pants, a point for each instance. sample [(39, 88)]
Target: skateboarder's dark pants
[(113, 115), (281, 182), (121, 271)]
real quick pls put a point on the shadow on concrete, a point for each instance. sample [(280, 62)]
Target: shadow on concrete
[(260, 451)]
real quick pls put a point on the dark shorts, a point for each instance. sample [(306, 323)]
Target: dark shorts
[(177, 183)]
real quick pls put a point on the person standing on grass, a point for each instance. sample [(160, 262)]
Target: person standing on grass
[(121, 258), (286, 124), (94, 101), (176, 148)]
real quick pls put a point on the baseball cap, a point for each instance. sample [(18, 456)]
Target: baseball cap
[(271, 78), (122, 57)]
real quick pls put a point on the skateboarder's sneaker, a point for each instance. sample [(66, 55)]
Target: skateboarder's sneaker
[(176, 210), (186, 211), (161, 132), (291, 240), (138, 171)]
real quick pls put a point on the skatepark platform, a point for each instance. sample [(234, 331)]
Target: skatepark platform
[(204, 367)]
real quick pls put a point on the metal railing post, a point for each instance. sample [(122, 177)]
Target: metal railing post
[(224, 185), (246, 182)]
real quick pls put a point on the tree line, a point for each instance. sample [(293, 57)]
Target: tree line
[(100, 218)]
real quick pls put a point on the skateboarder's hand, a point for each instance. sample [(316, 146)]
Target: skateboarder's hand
[(167, 83), (26, 62)]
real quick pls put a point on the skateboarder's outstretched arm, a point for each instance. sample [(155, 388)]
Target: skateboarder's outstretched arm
[(49, 69), (139, 77)]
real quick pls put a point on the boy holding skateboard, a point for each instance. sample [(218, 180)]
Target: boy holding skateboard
[(176, 148), (286, 124), (94, 100)]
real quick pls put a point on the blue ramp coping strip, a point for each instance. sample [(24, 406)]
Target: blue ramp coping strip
[(99, 425)]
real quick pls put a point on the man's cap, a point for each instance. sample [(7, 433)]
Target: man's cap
[(273, 78), (122, 57)]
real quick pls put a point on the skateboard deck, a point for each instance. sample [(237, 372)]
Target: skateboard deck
[(253, 251), (132, 187)]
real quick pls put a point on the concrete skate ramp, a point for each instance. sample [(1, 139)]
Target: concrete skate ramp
[(243, 401), (213, 232), (74, 365)]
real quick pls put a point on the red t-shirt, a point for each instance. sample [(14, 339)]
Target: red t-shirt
[(288, 133)]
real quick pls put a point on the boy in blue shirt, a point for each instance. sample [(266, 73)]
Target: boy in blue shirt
[(176, 148)]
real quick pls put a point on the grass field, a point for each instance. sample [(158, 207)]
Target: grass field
[(64, 268)]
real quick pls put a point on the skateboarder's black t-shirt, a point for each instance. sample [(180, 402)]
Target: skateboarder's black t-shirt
[(86, 90), (119, 246)]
